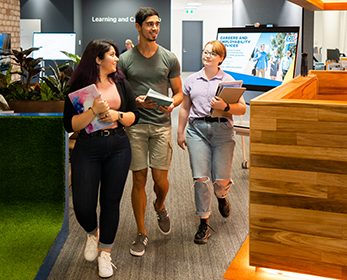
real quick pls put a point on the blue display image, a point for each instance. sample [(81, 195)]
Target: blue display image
[(262, 57)]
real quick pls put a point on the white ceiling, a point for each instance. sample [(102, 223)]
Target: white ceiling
[(204, 4)]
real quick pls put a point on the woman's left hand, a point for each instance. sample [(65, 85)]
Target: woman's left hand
[(109, 116), (218, 103)]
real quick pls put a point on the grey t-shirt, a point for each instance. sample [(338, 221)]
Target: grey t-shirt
[(153, 72)]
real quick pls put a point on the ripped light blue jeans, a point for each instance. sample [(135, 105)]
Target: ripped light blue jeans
[(211, 148)]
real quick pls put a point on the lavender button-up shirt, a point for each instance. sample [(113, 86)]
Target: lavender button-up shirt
[(201, 91)]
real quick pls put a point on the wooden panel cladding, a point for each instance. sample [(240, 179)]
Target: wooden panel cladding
[(298, 177), (335, 6), (331, 82), (295, 89), (312, 5), (319, 5)]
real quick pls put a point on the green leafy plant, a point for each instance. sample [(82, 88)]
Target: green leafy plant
[(58, 84), (17, 90), (46, 92), (28, 69), (51, 87), (74, 59)]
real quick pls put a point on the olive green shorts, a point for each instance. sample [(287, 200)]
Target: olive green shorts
[(150, 146)]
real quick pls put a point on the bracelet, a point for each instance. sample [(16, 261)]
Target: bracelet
[(120, 115), (92, 110)]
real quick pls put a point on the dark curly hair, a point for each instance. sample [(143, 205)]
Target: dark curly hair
[(87, 72)]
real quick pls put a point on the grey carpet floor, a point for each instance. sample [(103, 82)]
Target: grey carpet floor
[(174, 256)]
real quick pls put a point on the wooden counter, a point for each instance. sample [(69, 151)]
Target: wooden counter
[(298, 176)]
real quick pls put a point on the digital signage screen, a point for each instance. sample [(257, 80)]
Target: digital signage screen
[(51, 44), (262, 57)]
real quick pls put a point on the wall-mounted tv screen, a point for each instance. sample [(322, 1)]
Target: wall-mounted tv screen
[(262, 57), (5, 47), (51, 45)]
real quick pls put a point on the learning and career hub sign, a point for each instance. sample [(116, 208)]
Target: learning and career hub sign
[(112, 19)]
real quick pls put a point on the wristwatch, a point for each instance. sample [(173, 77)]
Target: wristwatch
[(227, 108)]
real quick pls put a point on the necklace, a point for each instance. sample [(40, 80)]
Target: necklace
[(103, 83)]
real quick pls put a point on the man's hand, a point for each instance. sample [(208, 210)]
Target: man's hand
[(166, 109), (142, 103)]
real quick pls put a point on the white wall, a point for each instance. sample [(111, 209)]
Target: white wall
[(212, 19), (330, 31)]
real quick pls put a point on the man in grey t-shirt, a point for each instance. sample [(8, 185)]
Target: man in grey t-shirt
[(149, 65)]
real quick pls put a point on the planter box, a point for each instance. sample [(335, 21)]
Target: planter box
[(37, 106), (298, 175)]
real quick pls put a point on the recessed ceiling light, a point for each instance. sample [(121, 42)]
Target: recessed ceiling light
[(194, 4)]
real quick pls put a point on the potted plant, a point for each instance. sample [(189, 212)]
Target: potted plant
[(28, 69), (74, 59), (46, 96)]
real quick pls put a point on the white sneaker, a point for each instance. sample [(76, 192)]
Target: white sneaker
[(105, 265), (91, 251)]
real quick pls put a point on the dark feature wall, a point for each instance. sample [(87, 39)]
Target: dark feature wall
[(84, 18), (55, 15), (78, 27), (121, 24)]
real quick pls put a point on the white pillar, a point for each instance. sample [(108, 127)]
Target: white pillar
[(343, 31), (331, 31)]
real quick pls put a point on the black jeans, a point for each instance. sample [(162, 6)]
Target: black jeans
[(104, 161)]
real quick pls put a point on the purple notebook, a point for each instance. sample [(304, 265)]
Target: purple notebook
[(82, 99)]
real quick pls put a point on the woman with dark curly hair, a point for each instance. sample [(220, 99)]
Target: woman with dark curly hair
[(100, 160)]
